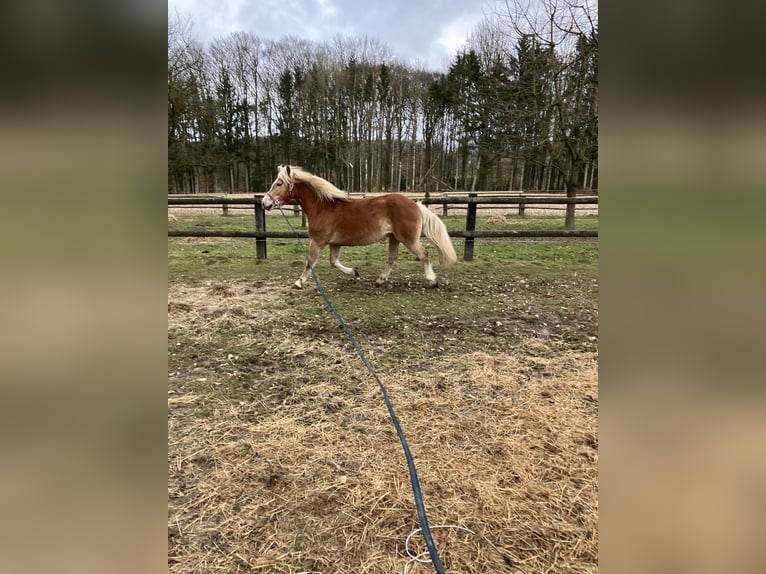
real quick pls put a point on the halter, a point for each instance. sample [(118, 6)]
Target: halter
[(290, 185)]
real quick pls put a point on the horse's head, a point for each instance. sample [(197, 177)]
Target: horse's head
[(281, 191)]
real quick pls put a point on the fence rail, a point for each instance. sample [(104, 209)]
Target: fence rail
[(486, 233), (450, 200), (471, 200)]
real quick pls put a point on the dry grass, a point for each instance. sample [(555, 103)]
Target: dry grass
[(287, 462), (497, 220)]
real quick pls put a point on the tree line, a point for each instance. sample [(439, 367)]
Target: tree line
[(517, 109)]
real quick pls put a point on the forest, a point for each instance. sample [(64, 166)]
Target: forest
[(517, 108)]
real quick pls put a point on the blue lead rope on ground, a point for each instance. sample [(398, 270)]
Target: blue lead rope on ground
[(414, 481)]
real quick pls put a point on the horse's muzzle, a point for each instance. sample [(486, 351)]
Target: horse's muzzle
[(267, 203)]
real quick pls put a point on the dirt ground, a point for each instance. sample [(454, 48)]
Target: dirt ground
[(282, 457)]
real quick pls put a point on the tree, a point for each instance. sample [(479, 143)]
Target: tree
[(186, 65), (562, 36), (463, 98), (518, 107), (286, 115)]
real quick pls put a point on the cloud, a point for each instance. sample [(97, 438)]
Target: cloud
[(454, 35), (328, 9), (425, 31)]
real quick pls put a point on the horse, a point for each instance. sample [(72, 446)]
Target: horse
[(337, 220)]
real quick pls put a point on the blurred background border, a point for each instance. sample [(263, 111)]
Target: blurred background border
[(83, 153)]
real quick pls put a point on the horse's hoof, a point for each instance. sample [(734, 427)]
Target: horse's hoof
[(356, 274), (297, 285)]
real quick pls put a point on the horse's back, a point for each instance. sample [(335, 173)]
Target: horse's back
[(397, 204)]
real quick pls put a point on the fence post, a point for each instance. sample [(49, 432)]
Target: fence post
[(225, 208), (260, 225), (522, 205), (470, 225)]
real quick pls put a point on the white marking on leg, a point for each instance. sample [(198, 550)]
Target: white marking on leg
[(334, 252), (422, 254), (430, 275), (383, 276)]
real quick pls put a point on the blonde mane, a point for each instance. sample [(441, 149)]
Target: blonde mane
[(323, 189)]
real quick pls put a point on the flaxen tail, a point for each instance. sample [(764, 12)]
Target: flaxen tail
[(436, 231)]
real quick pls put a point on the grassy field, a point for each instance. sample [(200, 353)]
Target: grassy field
[(239, 252), (281, 455)]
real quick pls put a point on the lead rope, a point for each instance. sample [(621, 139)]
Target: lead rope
[(415, 482)]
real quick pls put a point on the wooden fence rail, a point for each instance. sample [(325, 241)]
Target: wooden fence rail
[(452, 199), (486, 233), (471, 200)]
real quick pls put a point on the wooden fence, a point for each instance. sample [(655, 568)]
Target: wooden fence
[(470, 233)]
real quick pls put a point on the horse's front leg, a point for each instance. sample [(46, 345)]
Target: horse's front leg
[(334, 252), (314, 250)]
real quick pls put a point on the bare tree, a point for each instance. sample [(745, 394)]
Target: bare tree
[(518, 105), (187, 62), (567, 33)]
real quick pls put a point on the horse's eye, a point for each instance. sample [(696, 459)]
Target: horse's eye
[(279, 183)]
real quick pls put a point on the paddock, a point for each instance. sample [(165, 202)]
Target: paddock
[(281, 455)]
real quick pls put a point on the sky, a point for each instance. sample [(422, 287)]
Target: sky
[(419, 32)]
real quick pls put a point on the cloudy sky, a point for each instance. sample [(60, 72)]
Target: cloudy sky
[(425, 32)]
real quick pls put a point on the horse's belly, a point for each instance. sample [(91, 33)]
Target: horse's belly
[(360, 235)]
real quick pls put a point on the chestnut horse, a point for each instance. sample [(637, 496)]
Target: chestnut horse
[(336, 220)]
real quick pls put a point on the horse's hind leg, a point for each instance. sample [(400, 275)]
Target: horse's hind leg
[(420, 252), (334, 252), (393, 251)]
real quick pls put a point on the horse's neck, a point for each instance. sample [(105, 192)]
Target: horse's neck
[(306, 198)]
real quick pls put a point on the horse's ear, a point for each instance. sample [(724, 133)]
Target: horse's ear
[(287, 168)]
